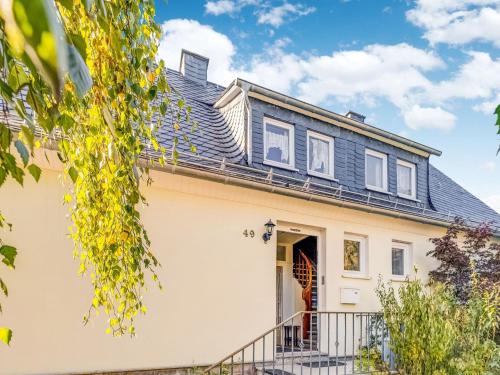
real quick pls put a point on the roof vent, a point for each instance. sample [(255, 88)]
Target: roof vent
[(194, 67), (355, 116)]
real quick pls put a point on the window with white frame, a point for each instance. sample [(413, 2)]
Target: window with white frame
[(355, 257), (376, 170), (407, 180), (319, 155), (278, 143), (401, 259)]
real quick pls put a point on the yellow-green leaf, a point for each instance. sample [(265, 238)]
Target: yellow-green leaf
[(3, 287), (9, 255), (33, 25), (35, 171), (5, 335), (73, 173)]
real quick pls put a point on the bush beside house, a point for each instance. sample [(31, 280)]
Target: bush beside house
[(432, 333)]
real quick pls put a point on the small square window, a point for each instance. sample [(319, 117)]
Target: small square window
[(319, 155), (355, 254), (400, 259), (278, 143), (407, 180), (376, 170)]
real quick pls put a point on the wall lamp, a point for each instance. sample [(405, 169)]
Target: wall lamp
[(269, 231)]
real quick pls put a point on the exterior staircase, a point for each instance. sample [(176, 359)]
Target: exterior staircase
[(344, 343), (323, 343)]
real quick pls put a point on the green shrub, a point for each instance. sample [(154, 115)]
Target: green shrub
[(432, 334), (370, 360)]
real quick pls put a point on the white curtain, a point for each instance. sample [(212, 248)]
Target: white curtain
[(319, 155), (398, 265), (404, 180), (374, 172), (277, 144)]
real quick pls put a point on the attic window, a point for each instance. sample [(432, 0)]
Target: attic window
[(376, 170), (407, 180), (278, 143), (319, 155)]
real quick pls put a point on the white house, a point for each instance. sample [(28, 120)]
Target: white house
[(350, 202)]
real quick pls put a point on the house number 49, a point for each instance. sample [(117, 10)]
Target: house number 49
[(250, 233)]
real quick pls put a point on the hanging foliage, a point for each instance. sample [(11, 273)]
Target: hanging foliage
[(85, 73)]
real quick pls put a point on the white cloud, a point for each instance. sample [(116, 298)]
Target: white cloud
[(398, 74), (489, 166), (231, 7), (276, 16), (220, 7), (418, 117), (477, 78), (377, 71), (266, 13), (202, 39), (274, 68), (493, 201), (457, 22), (488, 107)]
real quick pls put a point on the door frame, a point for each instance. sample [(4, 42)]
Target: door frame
[(279, 294), (320, 234)]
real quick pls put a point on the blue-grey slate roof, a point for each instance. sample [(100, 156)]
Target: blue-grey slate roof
[(445, 197), (448, 196), (221, 135), (218, 134)]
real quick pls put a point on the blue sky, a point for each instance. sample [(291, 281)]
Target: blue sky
[(428, 70)]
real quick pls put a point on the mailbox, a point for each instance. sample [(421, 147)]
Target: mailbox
[(349, 295)]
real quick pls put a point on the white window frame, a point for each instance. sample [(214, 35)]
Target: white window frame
[(291, 143), (331, 153), (363, 254), (413, 169), (380, 155), (407, 260)]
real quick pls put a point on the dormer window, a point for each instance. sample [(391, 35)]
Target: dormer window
[(319, 155), (376, 170), (407, 180), (279, 144)]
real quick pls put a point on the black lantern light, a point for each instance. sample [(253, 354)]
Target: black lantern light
[(269, 231)]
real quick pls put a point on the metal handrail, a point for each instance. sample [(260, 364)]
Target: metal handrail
[(354, 332), (291, 318)]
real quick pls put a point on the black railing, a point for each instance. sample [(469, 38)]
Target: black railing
[(338, 343)]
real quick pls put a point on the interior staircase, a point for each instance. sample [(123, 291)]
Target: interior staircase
[(305, 271)]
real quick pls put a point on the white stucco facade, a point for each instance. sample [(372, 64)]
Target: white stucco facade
[(219, 286)]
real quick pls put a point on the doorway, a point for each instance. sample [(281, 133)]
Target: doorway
[(297, 286)]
